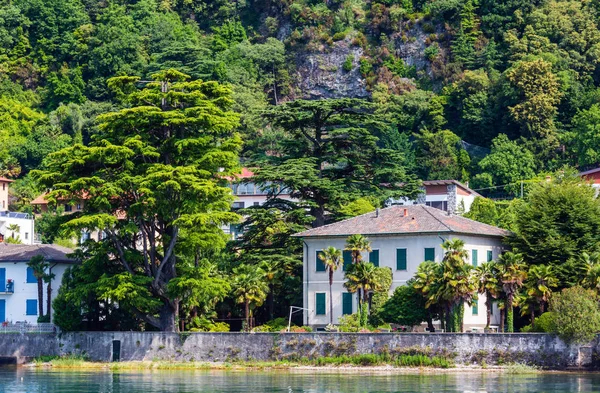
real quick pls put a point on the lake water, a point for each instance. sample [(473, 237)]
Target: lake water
[(39, 381)]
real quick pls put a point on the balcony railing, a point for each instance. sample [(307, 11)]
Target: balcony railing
[(9, 288)]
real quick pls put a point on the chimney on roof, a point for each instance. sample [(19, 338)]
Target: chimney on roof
[(376, 212), (405, 212)]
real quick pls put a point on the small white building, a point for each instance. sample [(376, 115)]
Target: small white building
[(447, 195), (18, 286), (401, 237), (14, 224)]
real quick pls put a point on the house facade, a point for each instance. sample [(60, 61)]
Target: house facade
[(18, 286), (14, 224), (401, 237), (447, 195)]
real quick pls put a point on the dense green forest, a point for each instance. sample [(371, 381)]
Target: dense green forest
[(489, 92)]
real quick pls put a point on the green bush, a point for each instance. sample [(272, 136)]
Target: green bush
[(350, 323), (576, 314), (348, 63), (339, 36), (432, 51), (365, 66)]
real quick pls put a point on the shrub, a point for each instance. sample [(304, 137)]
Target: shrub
[(339, 36), (348, 63), (577, 317), (432, 51), (365, 66), (349, 323)]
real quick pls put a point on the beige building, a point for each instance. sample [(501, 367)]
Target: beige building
[(401, 237)]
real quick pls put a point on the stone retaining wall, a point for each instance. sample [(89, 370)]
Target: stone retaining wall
[(463, 348)]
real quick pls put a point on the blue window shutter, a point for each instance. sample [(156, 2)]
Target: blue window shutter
[(32, 306), (320, 306), (320, 264), (30, 276), (347, 256), (374, 257), (347, 303), (401, 259), (475, 309), (430, 254), (474, 256), (490, 256), (2, 310), (2, 281)]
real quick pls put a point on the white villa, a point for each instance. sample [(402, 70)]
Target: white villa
[(18, 285), (14, 224), (401, 238)]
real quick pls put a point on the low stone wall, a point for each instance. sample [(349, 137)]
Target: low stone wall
[(463, 348)]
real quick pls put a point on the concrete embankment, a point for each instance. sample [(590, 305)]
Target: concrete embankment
[(542, 350)]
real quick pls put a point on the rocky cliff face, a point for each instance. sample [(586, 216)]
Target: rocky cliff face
[(322, 75)]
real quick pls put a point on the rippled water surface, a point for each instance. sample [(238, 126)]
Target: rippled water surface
[(33, 381)]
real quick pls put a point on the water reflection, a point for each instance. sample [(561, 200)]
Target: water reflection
[(41, 381)]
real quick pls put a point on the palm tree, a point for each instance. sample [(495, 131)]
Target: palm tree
[(356, 244), (14, 228), (591, 271), (457, 284), (489, 284), (250, 289), (272, 272), (426, 282), (38, 265), (331, 257), (540, 280), (362, 277), (512, 275)]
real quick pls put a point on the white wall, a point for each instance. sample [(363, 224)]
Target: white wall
[(16, 302), (415, 244), (26, 227)]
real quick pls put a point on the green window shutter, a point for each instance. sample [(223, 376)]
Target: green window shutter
[(490, 256), (320, 307), (320, 263), (401, 259), (347, 256), (31, 307), (474, 258), (475, 309), (430, 254), (347, 303), (374, 257)]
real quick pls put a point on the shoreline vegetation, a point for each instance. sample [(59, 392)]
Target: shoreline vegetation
[(366, 363)]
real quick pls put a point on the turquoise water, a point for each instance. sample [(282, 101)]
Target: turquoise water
[(37, 381)]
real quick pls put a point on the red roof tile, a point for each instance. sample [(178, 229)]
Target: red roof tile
[(392, 221)]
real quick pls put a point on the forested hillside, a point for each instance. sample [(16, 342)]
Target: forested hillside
[(480, 90), (371, 93)]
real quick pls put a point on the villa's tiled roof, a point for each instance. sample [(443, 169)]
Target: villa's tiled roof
[(447, 182), (5, 180), (23, 252), (399, 220)]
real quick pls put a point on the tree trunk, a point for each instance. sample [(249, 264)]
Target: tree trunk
[(449, 318), (542, 307), (319, 214), (461, 317), (270, 301), (532, 317), (430, 322), (502, 312), (247, 313), (49, 300), (40, 285), (509, 319), (168, 316), (488, 310), (331, 296)]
